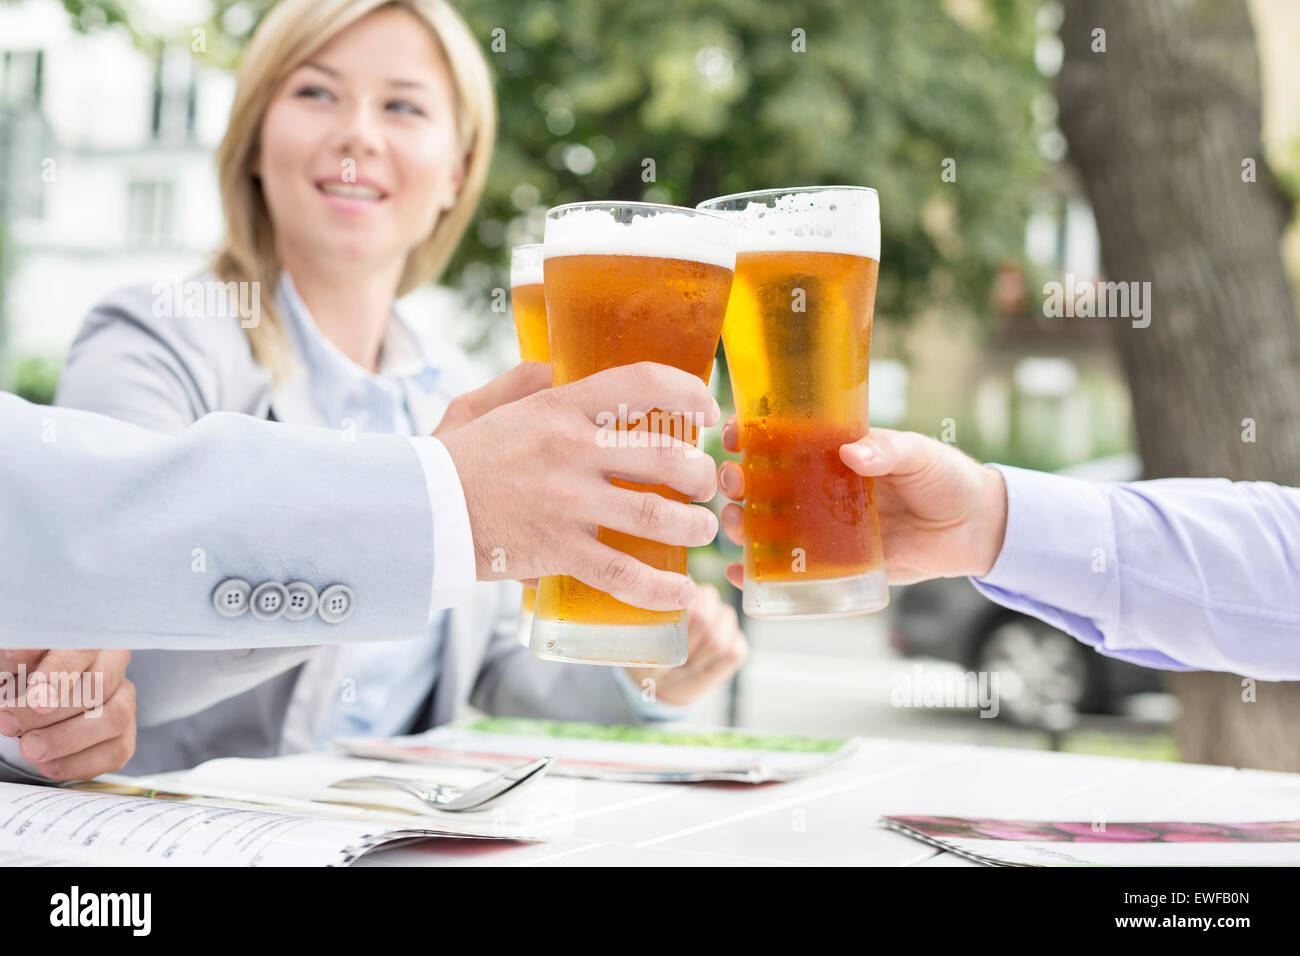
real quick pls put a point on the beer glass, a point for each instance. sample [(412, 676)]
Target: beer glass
[(798, 342), (625, 283), (529, 306)]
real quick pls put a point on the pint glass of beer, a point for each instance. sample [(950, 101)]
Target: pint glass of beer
[(626, 283), (529, 306), (798, 341)]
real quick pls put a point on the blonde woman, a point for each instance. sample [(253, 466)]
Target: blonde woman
[(358, 145)]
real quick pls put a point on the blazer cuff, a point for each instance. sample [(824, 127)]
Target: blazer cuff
[(455, 569)]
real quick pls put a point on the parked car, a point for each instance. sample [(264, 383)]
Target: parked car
[(1041, 669)]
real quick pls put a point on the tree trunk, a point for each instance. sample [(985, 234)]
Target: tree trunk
[(1158, 126)]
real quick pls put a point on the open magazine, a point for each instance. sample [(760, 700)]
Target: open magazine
[(108, 824), (280, 811), (1154, 843), (624, 753), (285, 811)]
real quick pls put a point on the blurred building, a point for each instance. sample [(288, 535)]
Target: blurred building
[(106, 171), (1049, 391)]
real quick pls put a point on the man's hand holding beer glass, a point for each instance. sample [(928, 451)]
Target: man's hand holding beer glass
[(536, 479), (798, 343), (942, 514)]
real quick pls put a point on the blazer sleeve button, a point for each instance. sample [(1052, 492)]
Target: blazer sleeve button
[(230, 597), (269, 600), (336, 604), (303, 601)]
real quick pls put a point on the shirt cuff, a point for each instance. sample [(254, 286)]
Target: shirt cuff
[(455, 569), (1059, 546), (649, 710)]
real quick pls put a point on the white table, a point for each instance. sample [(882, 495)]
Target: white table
[(831, 818)]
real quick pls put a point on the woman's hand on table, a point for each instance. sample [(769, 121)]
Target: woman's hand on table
[(716, 648)]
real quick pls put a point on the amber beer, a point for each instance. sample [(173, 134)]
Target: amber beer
[(528, 302), (625, 283), (798, 343)]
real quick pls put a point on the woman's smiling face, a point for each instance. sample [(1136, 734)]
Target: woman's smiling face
[(358, 152)]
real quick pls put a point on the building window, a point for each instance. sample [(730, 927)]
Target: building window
[(174, 96), (149, 213), (20, 78)]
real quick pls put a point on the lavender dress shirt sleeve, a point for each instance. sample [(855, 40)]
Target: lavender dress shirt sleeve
[(1181, 574)]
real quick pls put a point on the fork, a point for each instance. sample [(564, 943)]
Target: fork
[(443, 796)]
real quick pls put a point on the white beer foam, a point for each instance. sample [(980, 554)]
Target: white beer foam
[(530, 274), (846, 221), (595, 232), (526, 265)]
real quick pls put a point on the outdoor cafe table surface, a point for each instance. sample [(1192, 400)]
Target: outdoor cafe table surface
[(832, 817)]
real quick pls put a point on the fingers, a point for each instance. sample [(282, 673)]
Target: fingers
[(716, 649), (664, 461), (629, 580), (731, 479), (63, 684), (713, 630), (67, 682), (733, 523), (11, 659), (884, 451), (40, 690), (83, 731), (530, 470), (647, 514), (103, 757), (520, 382), (56, 677), (641, 387), (731, 435), (736, 574)]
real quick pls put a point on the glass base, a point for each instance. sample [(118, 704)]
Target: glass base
[(647, 645), (829, 597), (525, 626)]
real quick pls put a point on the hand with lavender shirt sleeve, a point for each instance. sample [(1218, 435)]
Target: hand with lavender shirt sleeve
[(1182, 574)]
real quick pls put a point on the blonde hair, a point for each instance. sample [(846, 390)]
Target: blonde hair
[(290, 34)]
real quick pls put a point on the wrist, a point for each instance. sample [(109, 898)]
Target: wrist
[(991, 526)]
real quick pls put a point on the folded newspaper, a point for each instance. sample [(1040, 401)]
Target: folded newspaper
[(1103, 843), (599, 752)]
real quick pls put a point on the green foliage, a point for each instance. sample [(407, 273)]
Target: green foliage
[(714, 92), (35, 378), (789, 743), (715, 95), (91, 15), (1154, 746)]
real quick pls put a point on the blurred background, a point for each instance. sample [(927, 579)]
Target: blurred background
[(1012, 145)]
